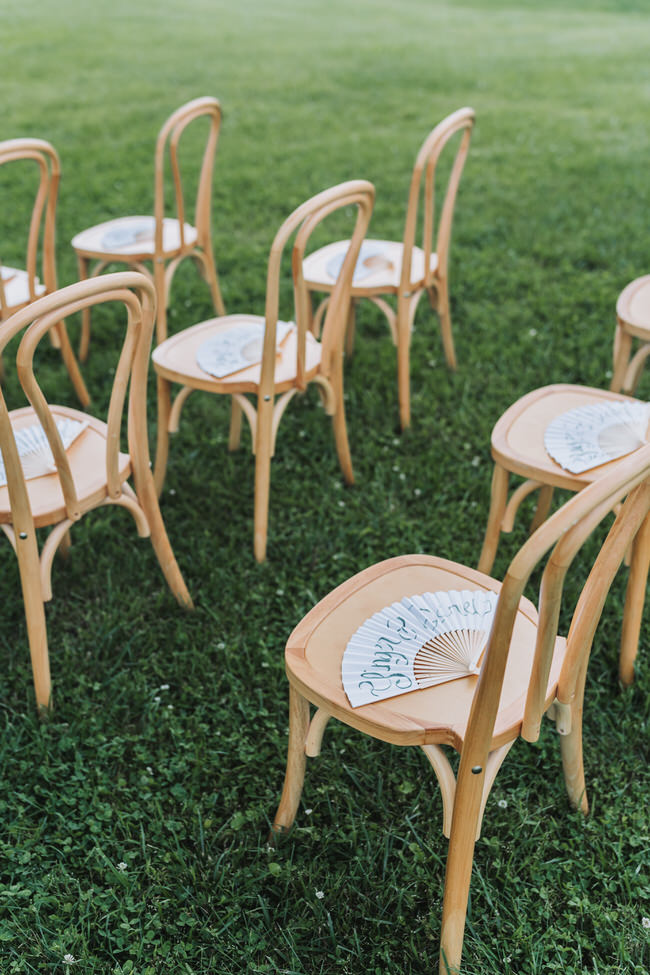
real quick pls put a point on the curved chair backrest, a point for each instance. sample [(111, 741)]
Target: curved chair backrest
[(303, 221), (169, 138), (136, 293), (43, 219), (564, 532), (427, 158)]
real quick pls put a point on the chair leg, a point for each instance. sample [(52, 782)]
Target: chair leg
[(72, 365), (234, 438), (571, 750), (498, 500), (403, 364), (84, 342), (296, 762), (544, 501), (622, 350), (30, 579), (572, 764), (160, 284), (148, 499), (338, 422), (467, 806), (212, 278), (350, 328), (445, 323), (162, 441), (263, 447), (634, 602)]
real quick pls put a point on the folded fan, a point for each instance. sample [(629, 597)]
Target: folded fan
[(237, 347), (591, 435), (418, 642), (34, 450), (371, 258)]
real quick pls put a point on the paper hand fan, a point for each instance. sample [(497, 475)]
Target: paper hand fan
[(237, 348), (371, 258), (597, 433), (130, 233), (34, 450), (420, 641)]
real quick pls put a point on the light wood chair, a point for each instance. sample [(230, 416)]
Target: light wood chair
[(401, 268), (632, 322), (527, 669), (162, 241), (19, 286), (283, 371), (93, 471)]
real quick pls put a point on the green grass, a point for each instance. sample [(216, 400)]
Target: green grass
[(180, 784)]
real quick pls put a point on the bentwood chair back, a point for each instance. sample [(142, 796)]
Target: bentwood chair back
[(61, 463), (283, 368), (527, 670), (36, 274), (402, 269), (167, 238)]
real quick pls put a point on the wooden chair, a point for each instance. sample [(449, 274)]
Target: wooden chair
[(163, 241), (632, 322), (283, 371), (401, 268), (527, 669), (93, 471), (19, 286)]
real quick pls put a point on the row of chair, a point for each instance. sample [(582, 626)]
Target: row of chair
[(528, 670), (397, 270)]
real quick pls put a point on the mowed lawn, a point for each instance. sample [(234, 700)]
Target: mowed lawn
[(134, 822)]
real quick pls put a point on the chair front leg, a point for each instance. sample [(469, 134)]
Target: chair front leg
[(263, 453), (498, 501), (163, 387), (622, 351), (445, 322), (403, 326), (30, 580), (467, 808), (338, 420), (84, 343), (145, 490), (296, 762)]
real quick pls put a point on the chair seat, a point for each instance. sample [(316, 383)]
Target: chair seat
[(175, 359), (127, 242), (433, 715), (633, 307), (16, 287), (518, 437), (87, 458), (381, 271)]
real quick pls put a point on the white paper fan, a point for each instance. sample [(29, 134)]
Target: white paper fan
[(237, 348), (371, 258), (34, 450), (597, 433), (129, 233), (420, 641)]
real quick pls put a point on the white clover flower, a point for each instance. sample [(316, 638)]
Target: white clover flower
[(164, 687), (502, 803), (320, 894), (532, 332), (279, 592), (417, 492), (157, 699), (341, 504), (645, 921), (221, 646), (121, 866), (149, 769), (170, 707), (308, 812), (476, 461), (69, 960)]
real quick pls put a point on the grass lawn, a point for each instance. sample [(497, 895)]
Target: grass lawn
[(166, 747)]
